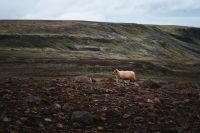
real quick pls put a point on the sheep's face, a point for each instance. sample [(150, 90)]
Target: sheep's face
[(115, 71)]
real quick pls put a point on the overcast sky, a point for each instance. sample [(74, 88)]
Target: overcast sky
[(170, 12)]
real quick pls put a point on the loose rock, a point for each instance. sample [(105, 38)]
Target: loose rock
[(47, 119), (33, 99), (59, 125), (56, 105), (6, 119), (100, 128), (149, 101), (126, 116), (157, 100), (83, 117), (82, 79)]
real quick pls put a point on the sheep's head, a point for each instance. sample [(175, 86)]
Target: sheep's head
[(115, 71)]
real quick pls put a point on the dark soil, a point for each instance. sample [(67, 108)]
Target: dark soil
[(61, 105)]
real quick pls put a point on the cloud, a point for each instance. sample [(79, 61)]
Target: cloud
[(177, 12), (15, 9)]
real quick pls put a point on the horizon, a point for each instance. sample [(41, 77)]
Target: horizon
[(98, 22)]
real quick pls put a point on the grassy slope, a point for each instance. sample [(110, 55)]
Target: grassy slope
[(126, 40), (34, 44)]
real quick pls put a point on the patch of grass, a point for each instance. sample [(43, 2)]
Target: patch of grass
[(97, 68)]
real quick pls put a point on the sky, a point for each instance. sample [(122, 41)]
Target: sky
[(161, 12)]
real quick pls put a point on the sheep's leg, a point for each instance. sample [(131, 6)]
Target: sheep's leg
[(117, 79), (132, 80)]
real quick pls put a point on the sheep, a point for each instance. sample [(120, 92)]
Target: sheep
[(124, 75)]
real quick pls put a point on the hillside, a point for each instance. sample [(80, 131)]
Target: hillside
[(103, 40), (61, 48)]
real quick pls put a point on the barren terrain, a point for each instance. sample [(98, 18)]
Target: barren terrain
[(63, 105)]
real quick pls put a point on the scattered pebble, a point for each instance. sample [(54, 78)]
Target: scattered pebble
[(56, 105), (157, 100), (100, 128), (59, 125), (23, 118), (102, 118), (119, 124), (187, 100), (6, 119), (138, 119), (149, 101), (47, 119), (18, 122), (126, 116)]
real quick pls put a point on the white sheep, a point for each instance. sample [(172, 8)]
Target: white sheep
[(124, 75)]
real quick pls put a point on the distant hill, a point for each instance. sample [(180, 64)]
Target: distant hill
[(99, 40), (68, 48)]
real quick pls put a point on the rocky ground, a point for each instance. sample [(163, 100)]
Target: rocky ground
[(67, 105)]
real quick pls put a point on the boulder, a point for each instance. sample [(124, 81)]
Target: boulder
[(6, 119), (148, 83), (33, 99), (83, 117), (57, 106), (82, 79)]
